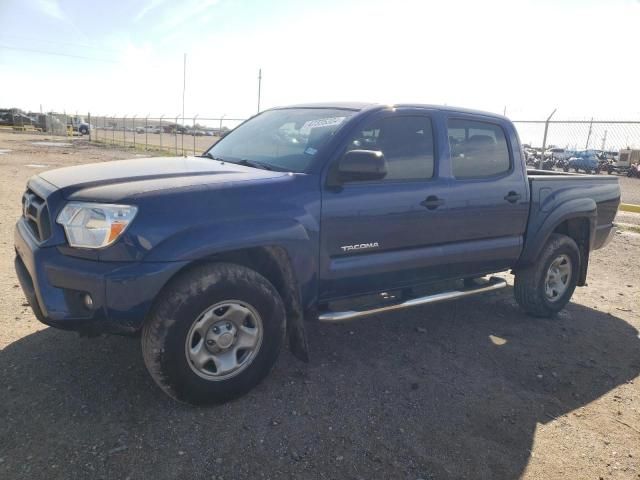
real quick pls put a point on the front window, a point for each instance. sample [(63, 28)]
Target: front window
[(286, 139), (405, 141)]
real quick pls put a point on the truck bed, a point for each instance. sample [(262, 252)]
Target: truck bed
[(557, 197)]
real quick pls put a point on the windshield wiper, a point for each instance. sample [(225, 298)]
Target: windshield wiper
[(253, 164), (213, 157), (245, 162)]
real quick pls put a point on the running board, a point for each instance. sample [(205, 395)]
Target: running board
[(494, 283)]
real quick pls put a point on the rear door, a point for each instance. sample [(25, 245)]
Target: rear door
[(488, 198), (374, 234)]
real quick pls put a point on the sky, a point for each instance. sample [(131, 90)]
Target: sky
[(126, 57)]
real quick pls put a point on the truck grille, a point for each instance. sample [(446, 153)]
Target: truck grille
[(36, 213)]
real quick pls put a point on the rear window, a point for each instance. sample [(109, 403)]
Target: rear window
[(478, 149)]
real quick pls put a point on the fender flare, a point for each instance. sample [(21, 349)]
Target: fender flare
[(537, 236), (286, 243)]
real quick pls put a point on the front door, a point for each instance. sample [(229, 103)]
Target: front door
[(374, 235)]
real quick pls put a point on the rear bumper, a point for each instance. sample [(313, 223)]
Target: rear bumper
[(55, 286)]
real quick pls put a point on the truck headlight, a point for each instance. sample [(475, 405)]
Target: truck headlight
[(95, 225)]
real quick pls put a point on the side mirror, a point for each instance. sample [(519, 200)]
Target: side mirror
[(361, 165)]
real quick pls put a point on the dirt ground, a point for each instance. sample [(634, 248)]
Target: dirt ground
[(470, 389)]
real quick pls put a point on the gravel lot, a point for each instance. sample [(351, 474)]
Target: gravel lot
[(472, 389), (630, 189)]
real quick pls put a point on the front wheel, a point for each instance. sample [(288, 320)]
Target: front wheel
[(215, 333), (544, 288)]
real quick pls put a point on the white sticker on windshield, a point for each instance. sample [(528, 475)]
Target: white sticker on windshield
[(311, 151), (322, 122)]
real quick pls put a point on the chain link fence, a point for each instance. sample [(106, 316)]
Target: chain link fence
[(174, 135), (580, 135), (592, 146), (184, 136)]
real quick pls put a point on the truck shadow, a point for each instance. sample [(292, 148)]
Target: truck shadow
[(446, 391)]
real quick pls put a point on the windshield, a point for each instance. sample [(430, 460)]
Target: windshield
[(286, 139)]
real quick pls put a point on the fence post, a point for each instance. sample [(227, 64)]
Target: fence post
[(544, 139), (586, 146), (134, 131), (146, 132), (161, 131), (124, 131), (89, 123), (194, 135), (177, 135)]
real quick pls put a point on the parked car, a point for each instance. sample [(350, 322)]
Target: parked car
[(587, 164), (558, 154), (217, 260)]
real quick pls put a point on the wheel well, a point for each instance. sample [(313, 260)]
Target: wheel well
[(579, 230), (273, 263)]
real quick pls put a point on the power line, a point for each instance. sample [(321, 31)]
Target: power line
[(59, 42), (58, 54)]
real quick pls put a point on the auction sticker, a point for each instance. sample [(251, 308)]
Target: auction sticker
[(321, 123)]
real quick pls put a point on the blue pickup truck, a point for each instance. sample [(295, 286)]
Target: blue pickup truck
[(312, 212)]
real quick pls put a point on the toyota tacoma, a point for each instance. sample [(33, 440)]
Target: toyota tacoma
[(312, 212)]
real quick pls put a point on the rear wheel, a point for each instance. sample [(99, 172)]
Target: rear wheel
[(545, 288), (215, 333)]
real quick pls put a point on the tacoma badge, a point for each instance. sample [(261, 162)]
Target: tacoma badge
[(361, 246)]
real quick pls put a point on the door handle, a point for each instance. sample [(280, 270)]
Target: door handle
[(512, 197), (432, 202)]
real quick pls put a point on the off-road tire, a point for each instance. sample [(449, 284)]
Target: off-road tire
[(529, 285), (180, 304)]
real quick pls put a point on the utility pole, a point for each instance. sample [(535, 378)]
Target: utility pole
[(259, 87), (586, 147)]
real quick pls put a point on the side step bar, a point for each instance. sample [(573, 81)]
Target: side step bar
[(494, 283)]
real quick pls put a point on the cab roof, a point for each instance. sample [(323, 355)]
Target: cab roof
[(364, 106)]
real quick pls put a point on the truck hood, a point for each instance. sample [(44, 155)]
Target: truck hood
[(113, 181)]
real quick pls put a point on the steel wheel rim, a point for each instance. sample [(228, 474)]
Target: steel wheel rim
[(558, 278), (224, 340)]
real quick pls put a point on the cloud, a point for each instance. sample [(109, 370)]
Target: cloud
[(183, 12), (153, 4), (51, 8)]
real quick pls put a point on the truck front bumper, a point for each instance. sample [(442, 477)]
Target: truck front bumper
[(57, 285)]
